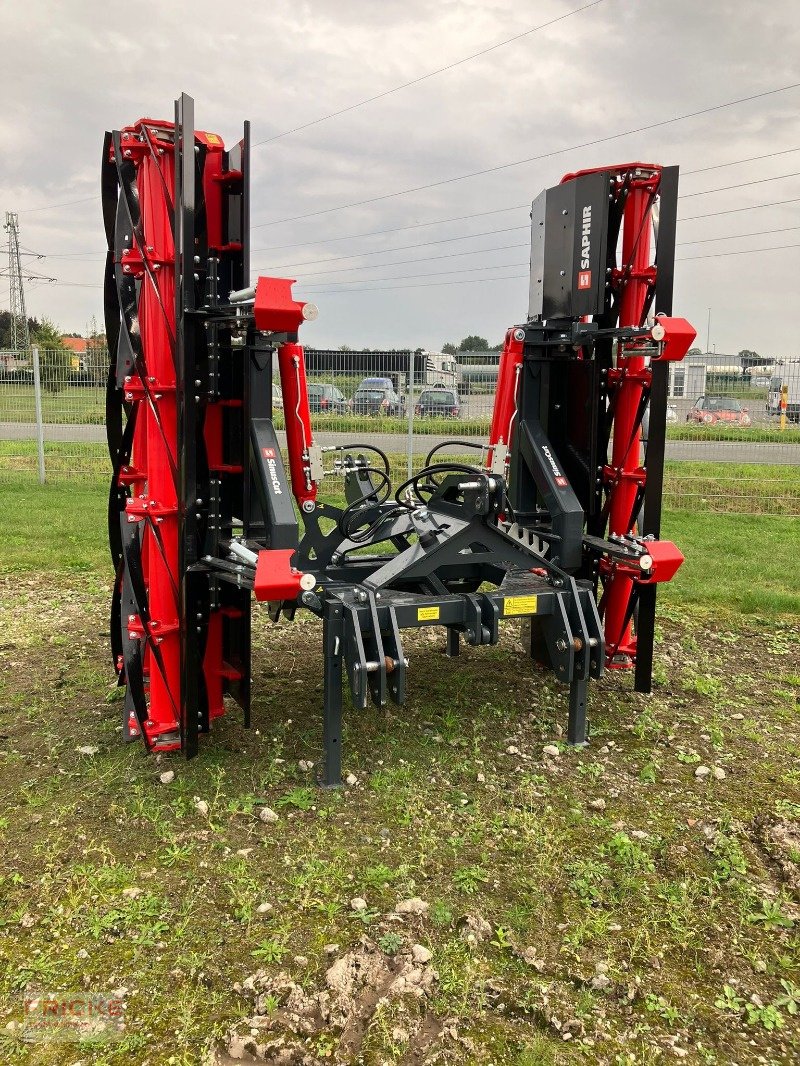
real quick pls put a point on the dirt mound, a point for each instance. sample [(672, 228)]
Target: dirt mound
[(782, 841), (289, 1023)]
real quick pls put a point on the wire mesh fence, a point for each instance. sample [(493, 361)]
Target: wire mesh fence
[(727, 450)]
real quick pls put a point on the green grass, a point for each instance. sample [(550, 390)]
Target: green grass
[(73, 406), (740, 561), (743, 488), (770, 434), (744, 563), (676, 892), (60, 527)]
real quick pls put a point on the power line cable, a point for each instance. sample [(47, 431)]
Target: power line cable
[(686, 173), (422, 259), (739, 251), (432, 222), (486, 233), (738, 236), (505, 266), (736, 210), (52, 207), (741, 185), (426, 77), (519, 277), (495, 211), (535, 158), (735, 162)]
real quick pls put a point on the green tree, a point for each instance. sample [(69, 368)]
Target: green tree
[(449, 349), (751, 358), (54, 356), (5, 329), (474, 344)]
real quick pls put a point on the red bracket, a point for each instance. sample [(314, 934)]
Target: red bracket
[(675, 335), (275, 309), (276, 578), (660, 563)]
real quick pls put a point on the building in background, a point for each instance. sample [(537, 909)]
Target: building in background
[(339, 366)]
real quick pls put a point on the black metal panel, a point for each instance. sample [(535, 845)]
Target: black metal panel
[(568, 277), (563, 506), (193, 627), (235, 385), (272, 486), (657, 425)]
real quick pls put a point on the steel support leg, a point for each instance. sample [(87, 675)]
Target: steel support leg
[(332, 634), (453, 646), (577, 725)]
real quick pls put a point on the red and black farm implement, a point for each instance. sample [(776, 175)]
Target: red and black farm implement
[(556, 522)]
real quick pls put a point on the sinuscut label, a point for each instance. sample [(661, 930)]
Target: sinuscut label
[(273, 474)]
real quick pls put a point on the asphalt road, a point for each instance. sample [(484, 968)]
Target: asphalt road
[(697, 451)]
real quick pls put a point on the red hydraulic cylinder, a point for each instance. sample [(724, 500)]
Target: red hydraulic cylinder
[(626, 473), (506, 396), (299, 437)]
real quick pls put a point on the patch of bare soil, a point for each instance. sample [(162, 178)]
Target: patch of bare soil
[(294, 1026), (781, 842)]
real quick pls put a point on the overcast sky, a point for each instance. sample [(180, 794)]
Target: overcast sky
[(73, 70)]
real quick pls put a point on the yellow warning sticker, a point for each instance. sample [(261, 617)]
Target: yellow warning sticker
[(519, 605), (427, 614), (212, 138)]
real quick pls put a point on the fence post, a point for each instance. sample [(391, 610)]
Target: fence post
[(410, 413), (37, 395)]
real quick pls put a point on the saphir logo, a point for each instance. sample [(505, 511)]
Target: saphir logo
[(585, 273)]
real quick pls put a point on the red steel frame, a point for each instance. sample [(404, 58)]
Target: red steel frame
[(153, 471), (635, 279), (629, 380)]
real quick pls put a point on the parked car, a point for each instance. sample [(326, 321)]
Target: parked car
[(376, 401), (327, 399), (713, 410), (438, 402), (376, 383)]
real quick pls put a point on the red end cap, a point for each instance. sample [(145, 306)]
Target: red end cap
[(677, 340), (276, 578), (275, 310), (667, 559)]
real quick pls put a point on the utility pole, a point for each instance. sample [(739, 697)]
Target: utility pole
[(708, 332), (20, 336)]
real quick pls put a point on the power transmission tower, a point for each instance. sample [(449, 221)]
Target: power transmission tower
[(20, 336)]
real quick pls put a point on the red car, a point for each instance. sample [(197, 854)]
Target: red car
[(712, 410)]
